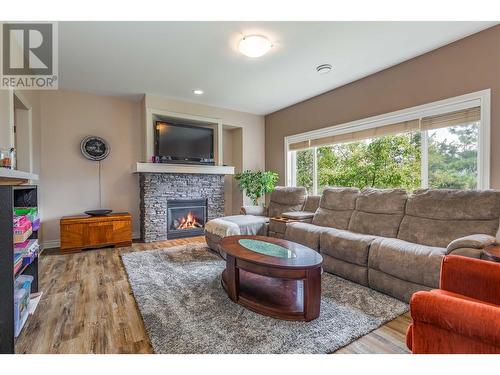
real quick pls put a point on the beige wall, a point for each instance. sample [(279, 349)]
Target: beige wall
[(237, 144), (250, 152), (33, 99), (68, 181), (468, 65), (6, 119), (232, 194)]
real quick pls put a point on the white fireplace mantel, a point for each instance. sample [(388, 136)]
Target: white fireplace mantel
[(181, 168)]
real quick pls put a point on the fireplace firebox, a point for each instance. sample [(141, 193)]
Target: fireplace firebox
[(186, 217)]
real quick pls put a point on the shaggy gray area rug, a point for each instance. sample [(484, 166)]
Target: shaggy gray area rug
[(186, 310)]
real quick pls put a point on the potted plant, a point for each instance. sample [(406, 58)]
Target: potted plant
[(256, 183)]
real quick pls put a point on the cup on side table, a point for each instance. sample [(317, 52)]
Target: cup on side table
[(277, 225)]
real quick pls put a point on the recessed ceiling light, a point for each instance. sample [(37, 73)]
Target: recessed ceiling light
[(198, 92), (254, 45), (324, 68)]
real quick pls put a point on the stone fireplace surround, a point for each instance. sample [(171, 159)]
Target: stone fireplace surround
[(157, 188)]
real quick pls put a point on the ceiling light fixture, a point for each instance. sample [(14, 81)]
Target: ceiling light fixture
[(324, 68), (198, 92), (254, 45)]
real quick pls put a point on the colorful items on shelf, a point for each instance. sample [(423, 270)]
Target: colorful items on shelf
[(18, 262), (26, 247), (31, 213), (25, 222), (22, 229), (28, 251), (22, 292)]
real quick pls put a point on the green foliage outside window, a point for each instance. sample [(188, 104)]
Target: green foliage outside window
[(453, 164), (305, 169), (391, 161), (394, 161)]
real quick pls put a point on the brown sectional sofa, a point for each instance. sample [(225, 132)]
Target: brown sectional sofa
[(394, 242), (385, 239)]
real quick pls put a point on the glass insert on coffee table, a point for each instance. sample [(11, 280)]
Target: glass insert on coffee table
[(267, 248), (273, 276)]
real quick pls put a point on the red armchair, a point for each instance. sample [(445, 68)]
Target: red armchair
[(463, 316)]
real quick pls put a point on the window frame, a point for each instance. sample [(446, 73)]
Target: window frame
[(480, 99)]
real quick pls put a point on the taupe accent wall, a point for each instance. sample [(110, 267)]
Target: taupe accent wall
[(465, 66)]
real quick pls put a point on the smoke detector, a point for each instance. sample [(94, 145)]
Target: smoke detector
[(324, 68)]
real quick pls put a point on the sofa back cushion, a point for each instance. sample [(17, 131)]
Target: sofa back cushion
[(335, 207), (435, 217), (286, 199), (312, 203), (379, 212)]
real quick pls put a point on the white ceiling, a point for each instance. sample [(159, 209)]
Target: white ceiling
[(173, 58)]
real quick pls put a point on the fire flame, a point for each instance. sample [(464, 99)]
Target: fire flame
[(189, 222)]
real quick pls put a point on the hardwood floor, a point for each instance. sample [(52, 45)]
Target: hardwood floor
[(88, 307), (388, 339)]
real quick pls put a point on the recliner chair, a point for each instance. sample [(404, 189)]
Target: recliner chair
[(463, 316)]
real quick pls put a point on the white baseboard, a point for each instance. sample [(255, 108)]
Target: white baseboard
[(50, 244)]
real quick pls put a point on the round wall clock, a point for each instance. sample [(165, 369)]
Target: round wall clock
[(94, 148)]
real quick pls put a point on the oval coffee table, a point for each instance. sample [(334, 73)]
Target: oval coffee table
[(273, 277)]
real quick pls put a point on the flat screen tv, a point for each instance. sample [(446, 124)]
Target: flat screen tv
[(181, 143)]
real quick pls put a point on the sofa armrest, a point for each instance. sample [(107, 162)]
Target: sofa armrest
[(474, 241), (254, 210), (470, 277), (298, 215), (464, 317)]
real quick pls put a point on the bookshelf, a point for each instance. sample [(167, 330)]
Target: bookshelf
[(10, 197)]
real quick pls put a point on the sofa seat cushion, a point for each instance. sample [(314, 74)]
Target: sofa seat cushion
[(346, 270), (304, 233), (348, 246), (393, 286), (408, 261)]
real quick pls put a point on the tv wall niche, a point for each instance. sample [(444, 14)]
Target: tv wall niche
[(158, 123)]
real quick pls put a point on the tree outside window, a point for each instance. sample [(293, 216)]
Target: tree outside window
[(395, 161), (453, 157)]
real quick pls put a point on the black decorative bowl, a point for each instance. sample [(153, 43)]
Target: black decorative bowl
[(98, 212)]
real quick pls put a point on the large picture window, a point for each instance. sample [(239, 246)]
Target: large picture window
[(437, 151)]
